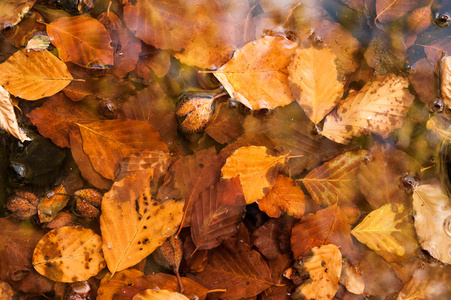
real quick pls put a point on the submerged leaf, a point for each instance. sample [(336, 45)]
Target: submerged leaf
[(12, 11)]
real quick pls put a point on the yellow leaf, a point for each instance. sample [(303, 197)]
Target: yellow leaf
[(440, 124), (151, 294), (69, 254), (445, 85), (33, 75), (388, 229), (379, 107), (132, 224), (257, 73), (257, 169), (433, 220), (315, 90), (8, 119)]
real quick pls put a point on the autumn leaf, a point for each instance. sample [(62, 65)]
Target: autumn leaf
[(256, 168), (351, 278), (423, 80), (238, 269), (391, 10), (445, 86), (285, 196), (8, 119), (440, 124), (225, 125), (110, 285), (266, 239), (256, 75), (389, 232), (160, 294), (379, 107), (33, 75), (52, 203), (82, 40), (316, 91), (217, 213), (432, 220), (324, 269), (69, 254), (12, 11), (113, 140), (132, 224)]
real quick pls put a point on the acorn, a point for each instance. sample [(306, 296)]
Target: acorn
[(88, 202), (23, 205)]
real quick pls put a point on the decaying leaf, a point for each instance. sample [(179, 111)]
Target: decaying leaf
[(257, 74), (225, 125), (8, 119), (159, 294), (69, 254), (82, 40), (379, 107), (316, 91), (388, 231), (445, 86), (440, 124), (52, 203), (257, 169), (110, 285), (132, 224), (155, 162), (12, 11), (391, 10), (351, 278), (285, 196), (324, 269), (33, 75), (216, 213), (433, 220), (38, 43)]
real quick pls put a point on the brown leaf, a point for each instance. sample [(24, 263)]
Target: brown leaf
[(446, 80), (423, 80), (69, 254), (379, 107), (113, 140), (159, 294), (226, 124), (316, 91), (112, 285), (351, 278), (24, 31), (217, 213), (82, 40), (51, 204), (8, 119), (238, 269), (12, 11), (285, 196), (169, 254), (281, 291), (157, 64), (327, 226), (391, 10), (256, 76), (33, 75), (420, 18), (266, 239), (257, 170)]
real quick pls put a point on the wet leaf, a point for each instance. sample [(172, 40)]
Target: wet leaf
[(160, 294), (111, 285), (52, 203), (12, 11), (38, 43), (238, 269), (69, 254), (225, 125), (33, 75), (257, 170), (423, 80), (420, 18), (132, 224), (284, 197), (281, 291), (388, 231), (324, 269), (266, 239), (379, 107), (217, 213), (8, 119), (446, 80), (316, 91), (440, 124), (256, 75), (351, 278), (391, 10), (156, 163), (169, 254), (82, 40), (28, 28), (113, 140), (433, 220), (157, 64), (327, 226)]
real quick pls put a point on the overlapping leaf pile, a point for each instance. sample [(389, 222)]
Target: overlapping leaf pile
[(228, 150)]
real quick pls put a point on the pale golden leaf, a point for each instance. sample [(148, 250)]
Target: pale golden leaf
[(151, 294), (8, 119), (316, 90), (351, 278), (445, 86)]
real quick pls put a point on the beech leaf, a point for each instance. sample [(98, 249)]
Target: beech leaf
[(69, 254), (256, 75), (432, 220), (8, 119), (257, 169), (316, 91), (132, 224), (33, 75), (151, 294), (379, 107), (52, 203), (445, 86), (82, 40), (110, 285), (12, 11)]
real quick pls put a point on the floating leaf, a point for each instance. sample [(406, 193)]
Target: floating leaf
[(217, 213), (324, 269), (440, 124), (113, 140), (8, 119), (445, 87), (132, 224), (285, 196), (52, 203), (257, 73), (433, 220), (12, 11), (391, 10), (113, 284), (69, 254), (159, 295), (379, 107), (257, 169), (33, 75), (82, 40), (388, 231), (316, 91)]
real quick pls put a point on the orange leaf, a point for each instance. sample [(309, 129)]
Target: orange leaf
[(225, 125), (82, 40), (159, 294), (217, 213), (52, 203), (113, 140), (33, 75), (12, 11), (8, 119), (257, 73), (132, 224), (111, 285), (285, 196)]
